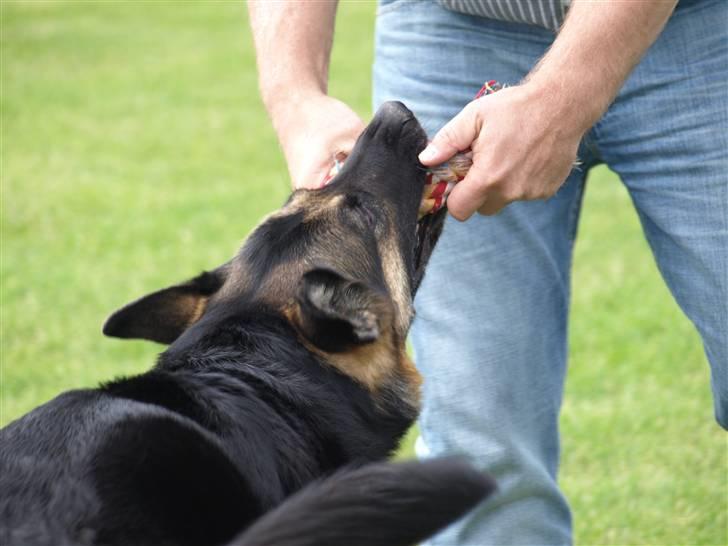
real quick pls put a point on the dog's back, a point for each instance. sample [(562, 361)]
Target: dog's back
[(42, 462), (92, 468)]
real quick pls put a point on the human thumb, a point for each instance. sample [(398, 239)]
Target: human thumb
[(457, 135)]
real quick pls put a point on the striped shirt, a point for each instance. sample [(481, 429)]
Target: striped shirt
[(544, 13)]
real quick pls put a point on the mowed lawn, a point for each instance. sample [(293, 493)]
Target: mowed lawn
[(136, 152)]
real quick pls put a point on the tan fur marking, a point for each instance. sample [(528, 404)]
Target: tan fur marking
[(291, 208), (238, 280), (197, 309), (310, 203), (317, 208), (372, 365), (396, 278)]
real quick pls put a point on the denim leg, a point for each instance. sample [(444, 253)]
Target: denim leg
[(490, 332), (666, 135), (490, 340)]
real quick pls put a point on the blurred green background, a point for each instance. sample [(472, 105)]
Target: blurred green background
[(135, 152)]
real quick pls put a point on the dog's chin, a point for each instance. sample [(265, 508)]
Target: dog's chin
[(428, 231)]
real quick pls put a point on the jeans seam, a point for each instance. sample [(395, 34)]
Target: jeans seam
[(575, 208)]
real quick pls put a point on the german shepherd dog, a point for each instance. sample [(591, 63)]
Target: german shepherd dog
[(285, 384)]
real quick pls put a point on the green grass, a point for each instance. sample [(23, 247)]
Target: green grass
[(135, 152)]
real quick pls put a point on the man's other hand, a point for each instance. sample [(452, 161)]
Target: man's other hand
[(315, 130)]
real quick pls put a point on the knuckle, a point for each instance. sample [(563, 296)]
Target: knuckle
[(472, 109), (456, 213), (453, 135), (485, 185), (511, 193), (493, 207), (476, 106), (531, 194), (548, 193), (544, 192), (476, 180), (490, 183), (448, 134), (487, 211), (501, 175)]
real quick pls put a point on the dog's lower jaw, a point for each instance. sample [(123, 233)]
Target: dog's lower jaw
[(427, 233)]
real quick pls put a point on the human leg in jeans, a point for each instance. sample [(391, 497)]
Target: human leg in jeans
[(490, 336), (490, 332), (666, 135)]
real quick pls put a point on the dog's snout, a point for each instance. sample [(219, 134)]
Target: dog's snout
[(394, 124), (394, 111)]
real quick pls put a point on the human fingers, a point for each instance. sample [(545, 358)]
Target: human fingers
[(457, 135)]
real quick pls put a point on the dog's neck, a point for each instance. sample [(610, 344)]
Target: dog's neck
[(256, 353), (238, 335)]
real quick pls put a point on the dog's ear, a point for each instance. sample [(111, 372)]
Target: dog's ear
[(335, 313), (162, 316)]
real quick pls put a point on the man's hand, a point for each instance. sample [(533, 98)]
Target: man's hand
[(524, 139), (293, 44), (313, 131), (523, 149)]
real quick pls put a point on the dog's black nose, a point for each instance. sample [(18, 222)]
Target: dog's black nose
[(396, 127), (384, 160), (394, 110)]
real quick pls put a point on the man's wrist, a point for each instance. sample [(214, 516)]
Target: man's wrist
[(284, 105), (594, 53), (278, 96), (562, 105)]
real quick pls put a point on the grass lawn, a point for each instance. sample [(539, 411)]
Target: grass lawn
[(135, 153)]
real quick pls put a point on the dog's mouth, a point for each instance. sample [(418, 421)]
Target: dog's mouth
[(428, 231)]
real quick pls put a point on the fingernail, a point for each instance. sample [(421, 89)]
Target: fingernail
[(428, 153)]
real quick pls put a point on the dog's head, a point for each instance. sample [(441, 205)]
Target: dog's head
[(341, 264)]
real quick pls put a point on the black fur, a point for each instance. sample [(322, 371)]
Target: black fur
[(215, 435), (241, 412)]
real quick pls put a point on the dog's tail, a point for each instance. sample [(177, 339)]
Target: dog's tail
[(379, 504)]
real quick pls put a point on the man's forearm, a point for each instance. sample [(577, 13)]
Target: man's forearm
[(293, 45), (596, 49), (293, 41)]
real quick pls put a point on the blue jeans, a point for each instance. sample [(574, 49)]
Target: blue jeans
[(496, 294)]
